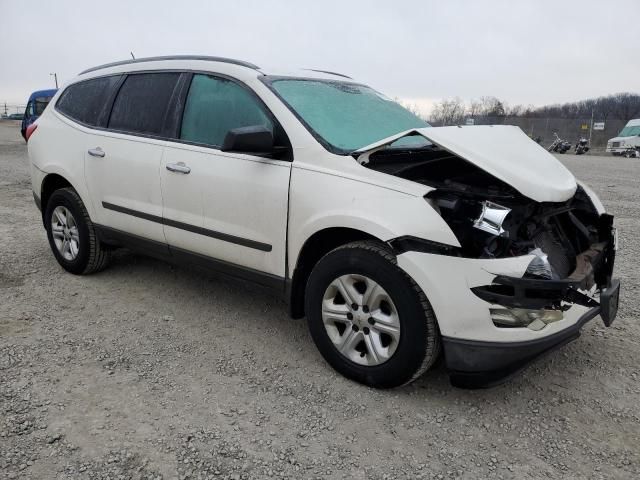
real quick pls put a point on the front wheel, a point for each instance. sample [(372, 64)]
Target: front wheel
[(368, 318)]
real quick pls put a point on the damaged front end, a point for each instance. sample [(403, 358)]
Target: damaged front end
[(536, 250), (558, 229), (571, 243), (572, 249)]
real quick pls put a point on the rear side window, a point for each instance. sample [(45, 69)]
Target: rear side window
[(85, 101), (141, 103), (215, 106)]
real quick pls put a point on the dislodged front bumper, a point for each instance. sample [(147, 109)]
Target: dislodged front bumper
[(475, 364), (462, 292)]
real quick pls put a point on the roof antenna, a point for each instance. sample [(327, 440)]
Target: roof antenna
[(132, 56)]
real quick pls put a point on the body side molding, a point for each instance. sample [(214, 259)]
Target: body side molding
[(225, 237)]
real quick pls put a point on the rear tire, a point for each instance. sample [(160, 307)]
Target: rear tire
[(392, 349), (71, 233)]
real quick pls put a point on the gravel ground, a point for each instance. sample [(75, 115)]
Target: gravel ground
[(149, 371)]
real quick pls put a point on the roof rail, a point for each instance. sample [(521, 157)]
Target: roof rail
[(330, 73), (172, 57)]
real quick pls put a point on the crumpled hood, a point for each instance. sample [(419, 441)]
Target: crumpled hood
[(503, 151)]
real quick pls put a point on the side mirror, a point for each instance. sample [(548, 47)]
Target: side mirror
[(256, 139)]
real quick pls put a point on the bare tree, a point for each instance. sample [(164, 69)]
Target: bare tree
[(448, 112), (474, 109), (515, 111), (492, 107)]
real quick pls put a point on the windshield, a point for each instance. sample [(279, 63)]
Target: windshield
[(36, 106), (346, 116), (41, 103), (630, 131)]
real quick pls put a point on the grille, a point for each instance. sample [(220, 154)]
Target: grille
[(615, 144)]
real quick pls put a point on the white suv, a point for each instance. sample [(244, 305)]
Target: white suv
[(398, 241)]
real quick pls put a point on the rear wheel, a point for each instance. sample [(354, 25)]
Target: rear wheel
[(72, 235), (368, 318)]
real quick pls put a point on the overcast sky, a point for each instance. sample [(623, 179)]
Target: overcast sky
[(530, 52)]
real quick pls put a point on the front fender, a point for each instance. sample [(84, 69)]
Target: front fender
[(319, 200)]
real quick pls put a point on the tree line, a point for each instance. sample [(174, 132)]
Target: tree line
[(455, 111)]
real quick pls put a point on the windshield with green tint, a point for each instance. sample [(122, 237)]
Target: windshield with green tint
[(630, 131), (345, 116)]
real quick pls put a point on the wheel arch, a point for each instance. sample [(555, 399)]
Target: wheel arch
[(50, 183), (313, 249)]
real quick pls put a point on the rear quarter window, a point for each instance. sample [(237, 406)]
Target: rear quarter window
[(85, 101)]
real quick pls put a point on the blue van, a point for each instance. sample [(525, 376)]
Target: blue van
[(35, 106)]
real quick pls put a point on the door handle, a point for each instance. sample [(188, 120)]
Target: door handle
[(96, 152), (179, 167)]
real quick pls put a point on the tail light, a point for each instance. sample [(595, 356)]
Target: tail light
[(30, 129)]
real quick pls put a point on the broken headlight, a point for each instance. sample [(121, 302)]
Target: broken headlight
[(491, 218), (479, 225)]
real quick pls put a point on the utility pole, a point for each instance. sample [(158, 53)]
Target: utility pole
[(591, 128), (546, 128), (55, 77)]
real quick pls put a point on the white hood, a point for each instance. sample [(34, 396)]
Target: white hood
[(503, 151)]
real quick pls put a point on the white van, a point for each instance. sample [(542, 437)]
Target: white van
[(628, 137)]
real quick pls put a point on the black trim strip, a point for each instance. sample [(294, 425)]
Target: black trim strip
[(136, 243), (179, 256), (409, 243), (269, 280), (264, 247)]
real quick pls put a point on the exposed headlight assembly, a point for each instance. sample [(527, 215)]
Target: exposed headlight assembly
[(491, 218)]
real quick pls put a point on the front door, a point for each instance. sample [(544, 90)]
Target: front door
[(221, 205)]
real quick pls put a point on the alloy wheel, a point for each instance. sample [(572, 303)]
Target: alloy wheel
[(361, 319), (64, 230)]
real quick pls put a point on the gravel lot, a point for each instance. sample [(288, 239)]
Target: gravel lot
[(151, 371)]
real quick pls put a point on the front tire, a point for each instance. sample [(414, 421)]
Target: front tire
[(369, 319), (71, 233)]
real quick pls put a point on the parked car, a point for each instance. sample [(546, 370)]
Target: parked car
[(16, 116), (36, 104), (396, 240), (628, 138)]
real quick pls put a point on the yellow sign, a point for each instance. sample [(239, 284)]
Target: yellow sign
[(584, 126)]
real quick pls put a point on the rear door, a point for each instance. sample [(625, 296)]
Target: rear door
[(222, 205), (122, 165)]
